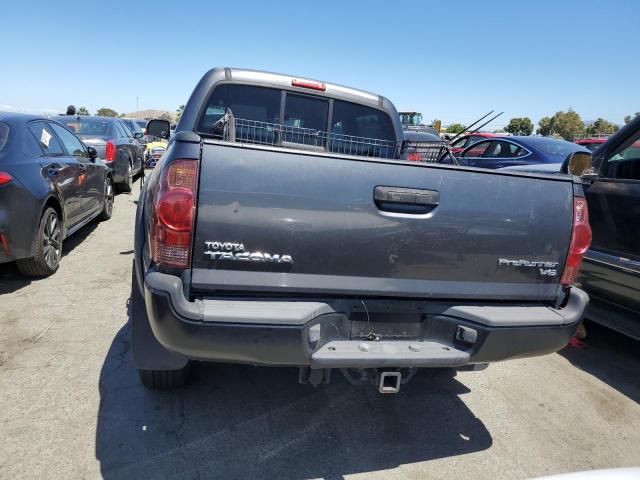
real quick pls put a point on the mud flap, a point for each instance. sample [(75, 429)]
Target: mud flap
[(148, 353)]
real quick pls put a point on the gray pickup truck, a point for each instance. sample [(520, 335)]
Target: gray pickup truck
[(285, 226)]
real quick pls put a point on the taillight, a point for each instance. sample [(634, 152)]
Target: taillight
[(580, 241), (110, 152), (414, 157), (171, 232), (321, 87), (5, 178)]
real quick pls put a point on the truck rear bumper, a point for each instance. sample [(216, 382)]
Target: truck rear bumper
[(350, 334)]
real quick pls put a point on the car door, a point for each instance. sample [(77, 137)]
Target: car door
[(62, 169), (472, 155), (503, 153), (611, 271), (91, 181)]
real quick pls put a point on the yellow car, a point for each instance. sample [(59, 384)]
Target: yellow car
[(153, 152)]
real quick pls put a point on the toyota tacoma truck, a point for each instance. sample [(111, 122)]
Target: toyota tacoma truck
[(285, 226)]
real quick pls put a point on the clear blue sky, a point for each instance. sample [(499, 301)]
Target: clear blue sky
[(452, 60)]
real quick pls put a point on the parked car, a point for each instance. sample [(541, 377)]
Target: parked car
[(116, 145), (611, 270), (51, 185), (271, 235), (510, 151), (591, 143), (142, 124), (134, 127), (154, 152), (458, 145)]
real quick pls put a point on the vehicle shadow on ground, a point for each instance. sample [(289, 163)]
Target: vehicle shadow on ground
[(249, 422), (12, 280), (609, 356)]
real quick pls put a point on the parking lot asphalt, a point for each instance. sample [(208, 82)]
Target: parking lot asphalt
[(71, 405)]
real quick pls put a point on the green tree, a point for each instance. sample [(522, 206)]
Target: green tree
[(545, 126), (628, 118), (601, 126), (520, 126), (179, 111), (83, 111), (567, 124), (455, 128), (106, 112)]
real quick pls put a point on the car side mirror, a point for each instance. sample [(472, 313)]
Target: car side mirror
[(159, 128), (137, 135), (580, 164), (93, 153)]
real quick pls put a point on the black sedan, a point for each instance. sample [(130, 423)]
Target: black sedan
[(118, 147), (500, 152), (51, 185)]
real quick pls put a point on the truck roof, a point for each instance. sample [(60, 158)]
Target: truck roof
[(293, 83), (241, 75)]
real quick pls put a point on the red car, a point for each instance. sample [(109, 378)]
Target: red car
[(591, 143), (464, 141)]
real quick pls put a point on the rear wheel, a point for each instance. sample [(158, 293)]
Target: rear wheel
[(164, 379), (48, 247), (107, 204), (127, 184), (145, 343)]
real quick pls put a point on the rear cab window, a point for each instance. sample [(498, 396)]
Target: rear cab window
[(272, 116)]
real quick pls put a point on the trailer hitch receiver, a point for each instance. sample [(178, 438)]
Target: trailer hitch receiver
[(389, 382)]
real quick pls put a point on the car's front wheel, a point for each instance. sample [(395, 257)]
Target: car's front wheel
[(107, 204), (47, 248)]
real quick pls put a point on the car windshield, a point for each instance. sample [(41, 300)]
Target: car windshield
[(142, 123), (89, 126)]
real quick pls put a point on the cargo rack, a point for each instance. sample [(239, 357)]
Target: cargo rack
[(253, 132)]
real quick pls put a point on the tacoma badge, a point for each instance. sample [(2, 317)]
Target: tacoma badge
[(235, 251)]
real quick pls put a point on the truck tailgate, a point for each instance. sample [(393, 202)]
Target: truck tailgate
[(293, 223)]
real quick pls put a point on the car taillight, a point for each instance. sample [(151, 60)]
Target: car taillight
[(5, 178), (321, 87), (580, 241), (171, 232), (110, 152)]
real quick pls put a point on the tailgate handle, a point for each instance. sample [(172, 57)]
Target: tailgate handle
[(407, 196)]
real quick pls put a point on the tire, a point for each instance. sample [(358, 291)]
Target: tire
[(48, 247), (164, 379), (107, 204), (127, 184)]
